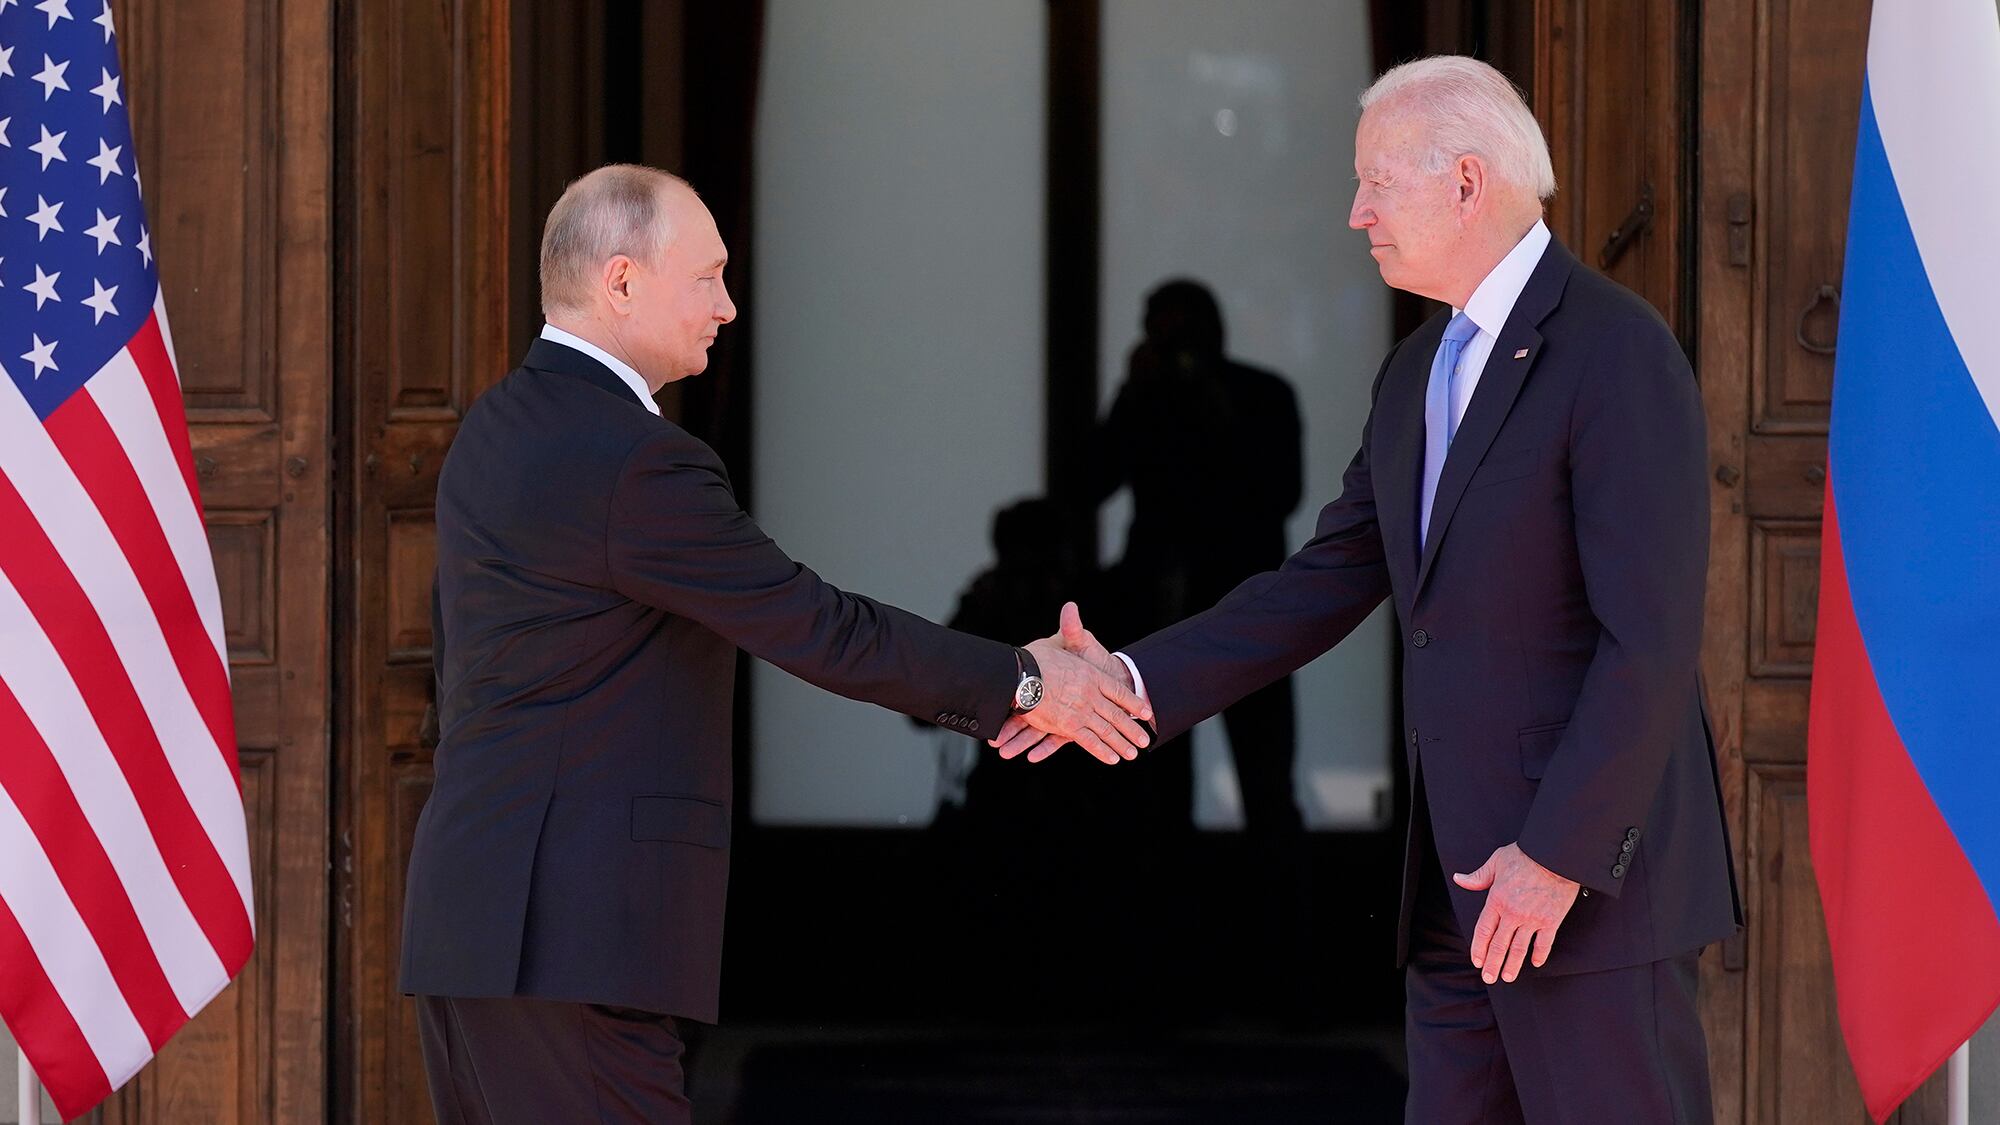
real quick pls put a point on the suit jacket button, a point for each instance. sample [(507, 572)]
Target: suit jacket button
[(1617, 871), (975, 726), (1631, 833), (1420, 638), (1413, 737), (1626, 847)]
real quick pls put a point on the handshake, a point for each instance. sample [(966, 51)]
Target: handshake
[(1088, 698)]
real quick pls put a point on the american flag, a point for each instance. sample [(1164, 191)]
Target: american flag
[(125, 901)]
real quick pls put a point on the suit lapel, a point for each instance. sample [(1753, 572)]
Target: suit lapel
[(1499, 384), (1398, 453)]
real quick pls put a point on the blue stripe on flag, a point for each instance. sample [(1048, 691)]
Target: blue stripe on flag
[(1916, 475)]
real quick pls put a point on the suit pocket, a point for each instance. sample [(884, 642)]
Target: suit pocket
[(1503, 466), (681, 820), (1538, 745)]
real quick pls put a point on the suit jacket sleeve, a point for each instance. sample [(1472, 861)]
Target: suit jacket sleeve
[(1638, 486), (677, 540), (1276, 622)]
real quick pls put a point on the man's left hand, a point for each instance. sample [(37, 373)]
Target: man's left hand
[(1523, 900)]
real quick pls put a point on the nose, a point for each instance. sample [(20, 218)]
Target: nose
[(1360, 215), (725, 309)]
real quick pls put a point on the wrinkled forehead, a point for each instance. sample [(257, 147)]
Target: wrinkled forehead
[(1387, 139)]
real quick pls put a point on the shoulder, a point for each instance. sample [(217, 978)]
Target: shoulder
[(1603, 314), (541, 423), (663, 444), (664, 463)]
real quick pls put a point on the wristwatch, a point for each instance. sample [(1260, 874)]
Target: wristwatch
[(1027, 693)]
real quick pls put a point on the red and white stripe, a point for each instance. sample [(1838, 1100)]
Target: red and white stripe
[(125, 898)]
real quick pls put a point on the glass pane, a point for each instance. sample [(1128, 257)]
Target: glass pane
[(1229, 159), (897, 311)]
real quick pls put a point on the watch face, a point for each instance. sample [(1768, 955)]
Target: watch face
[(1028, 694)]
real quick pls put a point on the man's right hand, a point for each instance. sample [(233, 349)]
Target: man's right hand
[(1078, 652)]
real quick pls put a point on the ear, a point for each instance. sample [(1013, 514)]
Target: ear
[(1470, 181), (618, 279)]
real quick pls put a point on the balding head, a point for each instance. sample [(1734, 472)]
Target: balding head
[(618, 209), (632, 262)]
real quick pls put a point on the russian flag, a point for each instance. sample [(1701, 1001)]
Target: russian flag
[(1903, 751)]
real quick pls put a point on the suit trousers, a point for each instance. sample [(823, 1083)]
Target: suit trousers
[(519, 1061), (1621, 1045)]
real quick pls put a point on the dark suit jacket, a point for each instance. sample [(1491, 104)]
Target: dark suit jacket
[(1551, 627), (595, 579)]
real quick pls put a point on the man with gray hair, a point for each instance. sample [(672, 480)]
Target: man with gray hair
[(595, 579), (1531, 491)]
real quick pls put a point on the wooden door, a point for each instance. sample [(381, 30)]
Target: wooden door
[(1611, 88), (1740, 115), (232, 115), (1780, 102), (423, 182)]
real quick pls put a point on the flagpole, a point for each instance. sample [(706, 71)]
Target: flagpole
[(1958, 1083), (31, 1091)]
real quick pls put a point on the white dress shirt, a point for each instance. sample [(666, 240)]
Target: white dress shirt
[(1489, 307), (618, 366)]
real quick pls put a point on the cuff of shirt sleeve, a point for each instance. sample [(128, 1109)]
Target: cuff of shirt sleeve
[(1138, 681)]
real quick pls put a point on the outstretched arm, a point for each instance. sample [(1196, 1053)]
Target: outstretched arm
[(676, 539)]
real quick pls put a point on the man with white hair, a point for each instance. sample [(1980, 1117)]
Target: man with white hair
[(1531, 491), (595, 578)]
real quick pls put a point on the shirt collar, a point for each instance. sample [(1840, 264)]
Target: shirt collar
[(1491, 303), (618, 366)]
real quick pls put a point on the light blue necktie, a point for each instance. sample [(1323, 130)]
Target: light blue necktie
[(1439, 426)]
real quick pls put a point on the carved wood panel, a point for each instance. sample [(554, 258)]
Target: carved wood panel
[(1611, 91), (202, 134), (232, 111), (1779, 95), (1808, 91), (1784, 596), (1800, 1073), (425, 177)]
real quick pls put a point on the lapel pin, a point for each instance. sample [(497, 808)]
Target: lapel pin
[(1522, 354)]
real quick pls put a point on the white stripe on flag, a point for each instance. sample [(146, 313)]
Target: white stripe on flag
[(35, 673), (166, 332), (69, 955), (1934, 76), (121, 395), (70, 518)]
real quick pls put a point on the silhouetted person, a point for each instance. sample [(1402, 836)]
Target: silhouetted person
[(1211, 450)]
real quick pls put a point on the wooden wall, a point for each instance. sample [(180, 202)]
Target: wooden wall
[(232, 115)]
